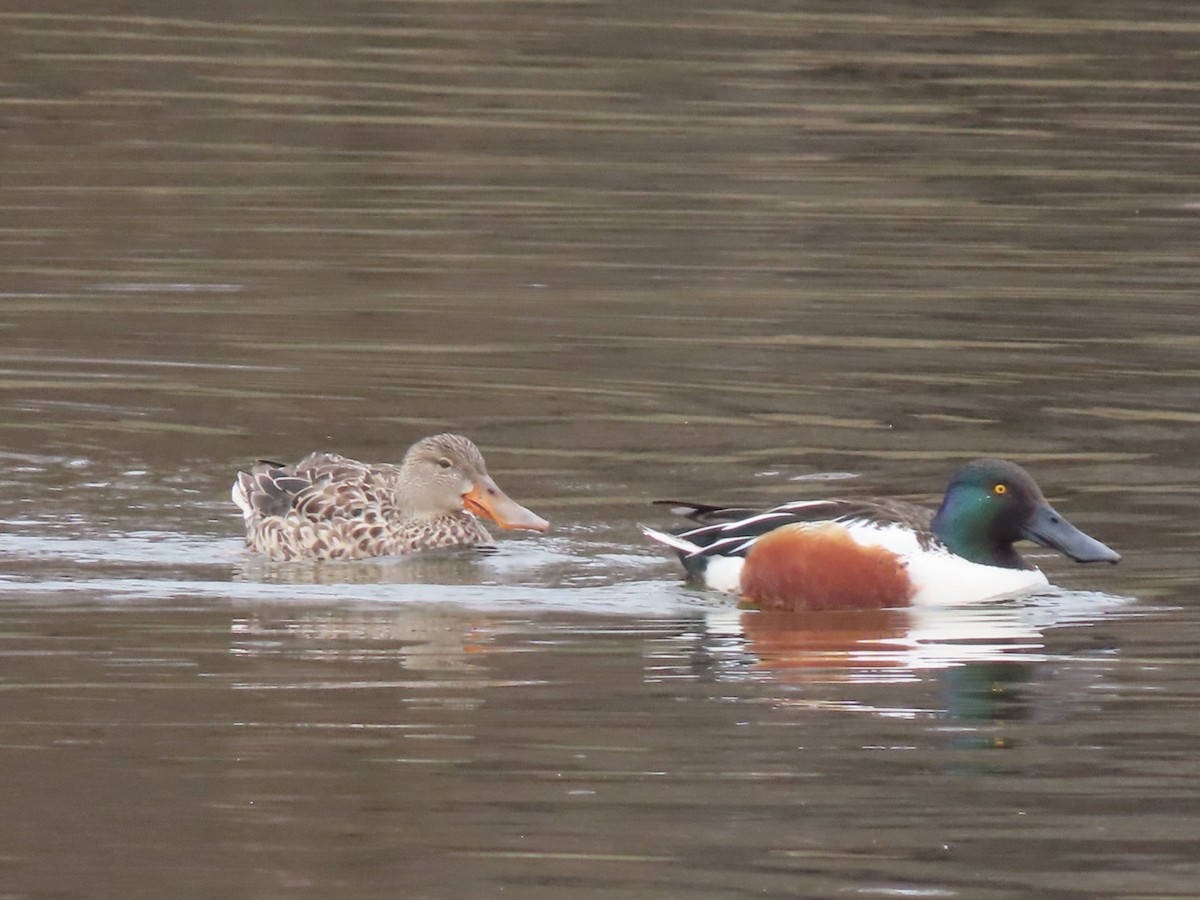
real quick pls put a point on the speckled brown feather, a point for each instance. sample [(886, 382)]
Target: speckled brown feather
[(331, 507)]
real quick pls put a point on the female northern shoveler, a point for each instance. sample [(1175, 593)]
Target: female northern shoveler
[(868, 554), (330, 507)]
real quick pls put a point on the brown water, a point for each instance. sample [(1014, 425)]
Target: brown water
[(723, 252)]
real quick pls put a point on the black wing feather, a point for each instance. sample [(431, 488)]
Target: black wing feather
[(732, 530)]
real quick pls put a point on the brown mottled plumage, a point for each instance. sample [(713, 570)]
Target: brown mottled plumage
[(331, 507)]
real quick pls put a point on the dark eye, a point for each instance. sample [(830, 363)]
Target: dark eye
[(444, 463)]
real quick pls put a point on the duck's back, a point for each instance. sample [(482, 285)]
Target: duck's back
[(732, 530)]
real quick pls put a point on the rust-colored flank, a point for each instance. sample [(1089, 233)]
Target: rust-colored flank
[(805, 567)]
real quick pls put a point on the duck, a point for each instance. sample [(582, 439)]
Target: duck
[(881, 553), (328, 506)]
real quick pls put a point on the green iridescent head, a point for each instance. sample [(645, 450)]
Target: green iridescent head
[(991, 503)]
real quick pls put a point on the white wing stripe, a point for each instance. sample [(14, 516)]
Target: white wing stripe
[(802, 504), (675, 542), (754, 520), (735, 543)]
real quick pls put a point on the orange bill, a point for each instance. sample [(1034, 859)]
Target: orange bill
[(486, 499)]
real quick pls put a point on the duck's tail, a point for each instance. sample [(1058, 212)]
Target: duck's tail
[(722, 573)]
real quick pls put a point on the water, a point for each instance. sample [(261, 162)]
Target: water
[(739, 253)]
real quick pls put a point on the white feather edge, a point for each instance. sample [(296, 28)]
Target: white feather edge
[(240, 498), (675, 542)]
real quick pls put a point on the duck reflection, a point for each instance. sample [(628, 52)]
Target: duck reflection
[(984, 664), (417, 639), (1001, 643), (893, 644)]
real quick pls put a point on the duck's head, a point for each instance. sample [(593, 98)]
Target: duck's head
[(446, 473), (991, 503)]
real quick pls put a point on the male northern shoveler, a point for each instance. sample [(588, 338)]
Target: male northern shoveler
[(869, 554), (331, 507)]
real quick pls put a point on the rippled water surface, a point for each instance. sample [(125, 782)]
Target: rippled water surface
[(729, 252)]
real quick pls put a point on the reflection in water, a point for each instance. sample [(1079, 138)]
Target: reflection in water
[(855, 648), (424, 639), (981, 693), (892, 644)]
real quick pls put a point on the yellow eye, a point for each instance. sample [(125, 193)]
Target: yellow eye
[(1000, 489)]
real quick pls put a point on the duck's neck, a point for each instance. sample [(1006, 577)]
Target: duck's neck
[(962, 527)]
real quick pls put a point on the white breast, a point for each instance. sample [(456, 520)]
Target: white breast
[(943, 579)]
